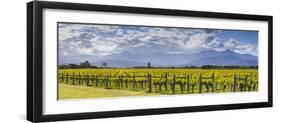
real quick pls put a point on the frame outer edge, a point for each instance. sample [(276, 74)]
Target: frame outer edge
[(29, 89), (35, 61), (270, 61), (38, 61)]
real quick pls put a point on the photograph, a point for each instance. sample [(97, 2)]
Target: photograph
[(112, 60), (90, 60)]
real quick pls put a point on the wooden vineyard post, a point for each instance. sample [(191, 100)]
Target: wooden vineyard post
[(109, 81), (192, 85), (174, 84), (73, 78), (181, 87), (134, 81), (246, 79), (106, 82), (79, 78), (188, 83), (121, 81), (234, 83), (213, 81), (97, 80), (216, 87), (118, 81), (155, 87), (149, 83), (160, 87), (87, 80), (126, 83), (62, 77), (142, 83), (84, 78), (200, 83), (223, 86), (166, 82), (251, 82), (101, 80), (92, 79)]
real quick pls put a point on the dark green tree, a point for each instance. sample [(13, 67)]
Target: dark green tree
[(104, 64), (85, 64), (72, 66), (148, 65)]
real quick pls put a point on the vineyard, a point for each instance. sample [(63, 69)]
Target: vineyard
[(163, 81)]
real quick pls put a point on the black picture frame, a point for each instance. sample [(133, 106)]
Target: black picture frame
[(35, 69)]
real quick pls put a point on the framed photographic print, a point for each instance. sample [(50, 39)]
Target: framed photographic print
[(96, 61)]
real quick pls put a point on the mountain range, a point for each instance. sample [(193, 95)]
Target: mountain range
[(157, 59), (207, 57)]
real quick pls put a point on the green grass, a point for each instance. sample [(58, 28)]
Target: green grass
[(81, 91)]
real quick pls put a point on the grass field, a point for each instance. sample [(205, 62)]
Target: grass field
[(97, 83), (81, 91)]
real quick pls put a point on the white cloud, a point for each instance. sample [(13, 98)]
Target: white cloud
[(241, 48), (231, 43), (247, 49), (216, 43), (102, 40)]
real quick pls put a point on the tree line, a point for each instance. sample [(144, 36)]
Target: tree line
[(86, 64)]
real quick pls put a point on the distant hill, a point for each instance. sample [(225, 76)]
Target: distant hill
[(226, 57), (207, 57), (119, 63)]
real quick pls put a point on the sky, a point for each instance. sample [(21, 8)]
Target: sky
[(98, 41)]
